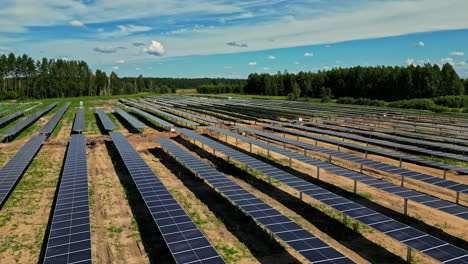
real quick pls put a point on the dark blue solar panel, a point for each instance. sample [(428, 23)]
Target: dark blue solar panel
[(131, 120), (69, 239), (105, 120), (79, 123), (153, 118), (347, 207), (17, 128), (14, 168), (311, 247), (49, 127), (185, 241)]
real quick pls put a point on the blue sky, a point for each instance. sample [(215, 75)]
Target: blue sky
[(227, 38)]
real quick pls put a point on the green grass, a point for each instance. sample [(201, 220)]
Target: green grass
[(447, 161), (115, 229), (229, 254)]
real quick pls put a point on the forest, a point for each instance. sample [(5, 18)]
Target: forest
[(23, 77), (381, 83)]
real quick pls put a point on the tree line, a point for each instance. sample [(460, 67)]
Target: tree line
[(382, 83), (21, 76)]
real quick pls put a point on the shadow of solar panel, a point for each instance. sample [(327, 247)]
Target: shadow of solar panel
[(15, 167), (79, 122), (131, 120), (185, 241), (49, 127), (105, 120), (69, 239), (345, 206), (312, 248)]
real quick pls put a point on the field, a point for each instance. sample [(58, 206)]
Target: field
[(406, 167)]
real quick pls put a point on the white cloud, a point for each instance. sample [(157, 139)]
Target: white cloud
[(236, 44), (115, 67), (155, 48), (76, 23), (266, 68), (457, 53), (5, 49), (271, 57), (227, 67), (420, 44), (252, 63), (120, 61), (447, 60), (126, 30), (461, 63), (410, 61), (328, 46), (296, 63), (326, 68), (137, 69), (308, 54), (104, 49)]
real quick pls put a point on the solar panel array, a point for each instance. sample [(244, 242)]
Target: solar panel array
[(206, 119), (13, 108), (381, 152), (17, 128), (183, 238), (378, 142), (301, 240), (429, 179), (130, 119), (79, 122), (49, 127), (69, 239), (157, 120), (7, 119), (404, 132), (14, 168), (418, 240), (105, 120), (424, 199), (411, 141)]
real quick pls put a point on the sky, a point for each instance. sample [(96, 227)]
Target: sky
[(233, 38)]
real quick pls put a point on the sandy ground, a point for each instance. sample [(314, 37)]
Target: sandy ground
[(122, 232)]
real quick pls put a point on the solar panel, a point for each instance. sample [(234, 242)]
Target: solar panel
[(308, 245), (427, 200), (183, 113), (79, 123), (16, 166), (168, 115), (17, 128), (131, 120), (381, 152), (418, 240), (69, 239), (105, 120), (13, 108), (49, 127), (183, 238), (158, 121), (384, 143)]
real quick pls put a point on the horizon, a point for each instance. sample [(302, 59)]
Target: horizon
[(228, 39)]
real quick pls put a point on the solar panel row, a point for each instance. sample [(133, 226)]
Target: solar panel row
[(301, 240), (13, 108), (17, 128), (157, 120), (206, 119), (130, 119), (15, 167), (424, 199), (170, 116), (420, 241), (105, 120), (79, 122), (69, 240), (384, 153), (49, 127), (185, 241)]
